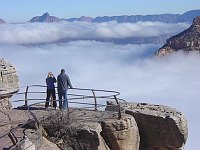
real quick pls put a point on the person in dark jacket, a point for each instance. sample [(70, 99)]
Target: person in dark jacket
[(63, 83), (50, 80)]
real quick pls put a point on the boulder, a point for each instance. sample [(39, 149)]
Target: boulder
[(121, 134), (92, 130), (26, 144), (47, 145), (160, 127)]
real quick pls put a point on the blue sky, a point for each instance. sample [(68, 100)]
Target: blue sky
[(24, 10)]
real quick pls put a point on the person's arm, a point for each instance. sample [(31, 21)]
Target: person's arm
[(69, 82)]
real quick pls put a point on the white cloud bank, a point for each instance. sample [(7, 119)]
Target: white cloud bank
[(35, 33), (130, 69)]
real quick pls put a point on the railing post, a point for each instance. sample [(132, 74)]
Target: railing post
[(13, 139), (119, 108), (95, 100), (26, 97)]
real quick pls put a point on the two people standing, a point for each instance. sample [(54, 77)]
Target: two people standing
[(63, 84)]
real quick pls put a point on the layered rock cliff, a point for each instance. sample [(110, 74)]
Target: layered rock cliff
[(9, 83), (186, 41), (45, 18)]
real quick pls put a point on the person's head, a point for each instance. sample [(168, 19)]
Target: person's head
[(62, 70), (50, 74)]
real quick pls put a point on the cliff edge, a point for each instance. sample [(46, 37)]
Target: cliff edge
[(186, 41), (9, 83)]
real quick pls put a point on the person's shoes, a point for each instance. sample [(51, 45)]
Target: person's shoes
[(54, 108), (46, 108)]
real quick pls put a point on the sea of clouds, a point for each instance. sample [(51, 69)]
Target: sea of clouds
[(131, 69), (34, 33)]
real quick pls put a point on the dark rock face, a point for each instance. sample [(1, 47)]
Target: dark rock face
[(196, 21), (187, 41), (45, 18), (2, 21)]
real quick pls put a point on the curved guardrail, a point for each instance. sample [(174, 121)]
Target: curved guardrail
[(35, 95), (88, 98)]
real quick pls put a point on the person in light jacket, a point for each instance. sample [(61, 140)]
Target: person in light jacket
[(50, 80), (63, 84)]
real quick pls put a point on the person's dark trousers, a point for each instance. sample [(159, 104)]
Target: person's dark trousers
[(63, 103), (60, 99), (52, 93)]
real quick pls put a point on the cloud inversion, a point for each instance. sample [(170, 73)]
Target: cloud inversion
[(37, 33), (130, 69)]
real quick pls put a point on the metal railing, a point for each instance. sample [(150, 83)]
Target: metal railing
[(91, 98), (35, 96)]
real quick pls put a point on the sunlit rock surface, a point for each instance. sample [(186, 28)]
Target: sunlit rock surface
[(9, 83), (92, 130)]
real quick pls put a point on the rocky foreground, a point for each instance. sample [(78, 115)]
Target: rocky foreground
[(141, 127)]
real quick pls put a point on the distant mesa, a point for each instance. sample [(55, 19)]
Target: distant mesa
[(2, 21), (187, 41), (188, 16), (45, 18), (165, 18), (82, 18)]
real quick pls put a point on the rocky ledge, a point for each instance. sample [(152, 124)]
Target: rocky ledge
[(76, 130), (160, 127), (186, 41), (141, 127)]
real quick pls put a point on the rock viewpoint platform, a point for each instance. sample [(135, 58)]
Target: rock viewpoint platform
[(141, 127)]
